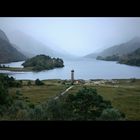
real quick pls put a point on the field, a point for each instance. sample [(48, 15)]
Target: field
[(37, 94), (124, 95)]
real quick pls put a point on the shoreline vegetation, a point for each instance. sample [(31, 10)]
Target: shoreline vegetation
[(43, 62), (132, 59), (37, 63), (16, 69)]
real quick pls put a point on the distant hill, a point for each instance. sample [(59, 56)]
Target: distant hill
[(7, 52), (131, 58), (3, 36), (92, 55), (31, 47), (122, 49), (119, 50)]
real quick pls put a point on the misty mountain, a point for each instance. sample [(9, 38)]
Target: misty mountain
[(3, 36), (131, 58), (92, 55), (119, 50), (26, 53), (31, 47), (123, 48), (7, 52)]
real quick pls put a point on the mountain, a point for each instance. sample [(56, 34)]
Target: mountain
[(92, 55), (3, 36), (7, 52), (122, 49), (31, 47), (25, 52), (119, 50), (131, 58), (127, 53)]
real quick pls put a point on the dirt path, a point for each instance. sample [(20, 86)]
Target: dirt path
[(63, 92)]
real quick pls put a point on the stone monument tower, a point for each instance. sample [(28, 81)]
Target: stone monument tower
[(72, 76)]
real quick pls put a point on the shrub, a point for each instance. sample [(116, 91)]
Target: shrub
[(38, 82), (28, 83), (86, 104), (22, 115), (132, 80), (5, 98), (111, 114), (38, 113)]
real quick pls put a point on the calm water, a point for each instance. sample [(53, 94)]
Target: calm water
[(84, 69)]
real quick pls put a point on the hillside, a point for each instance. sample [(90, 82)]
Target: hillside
[(7, 52), (43, 62), (122, 49), (3, 36), (118, 50), (131, 59), (31, 47), (92, 55)]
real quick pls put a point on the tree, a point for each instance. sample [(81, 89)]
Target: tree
[(86, 104), (5, 98), (38, 82), (38, 112), (111, 114)]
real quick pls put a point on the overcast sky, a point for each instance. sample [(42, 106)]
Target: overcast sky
[(78, 36)]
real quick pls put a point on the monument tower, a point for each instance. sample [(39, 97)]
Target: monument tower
[(72, 76)]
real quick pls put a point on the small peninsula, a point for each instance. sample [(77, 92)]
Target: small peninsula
[(43, 62), (37, 63)]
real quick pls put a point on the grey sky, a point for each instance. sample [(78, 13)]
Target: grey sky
[(79, 36)]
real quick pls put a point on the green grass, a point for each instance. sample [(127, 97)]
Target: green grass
[(38, 94), (15, 69), (125, 95)]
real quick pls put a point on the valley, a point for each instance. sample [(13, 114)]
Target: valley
[(69, 69)]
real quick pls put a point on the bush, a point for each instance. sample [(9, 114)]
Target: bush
[(111, 114), (29, 83), (86, 104), (3, 108), (22, 115), (57, 110), (17, 111), (38, 113), (38, 82), (31, 105), (5, 98), (132, 80), (18, 84)]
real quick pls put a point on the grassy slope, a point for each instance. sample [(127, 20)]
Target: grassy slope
[(125, 96)]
